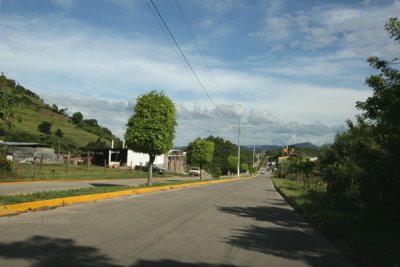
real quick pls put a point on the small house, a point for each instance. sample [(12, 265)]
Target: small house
[(115, 157), (24, 152)]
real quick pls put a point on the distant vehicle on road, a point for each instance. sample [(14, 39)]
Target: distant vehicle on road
[(194, 171)]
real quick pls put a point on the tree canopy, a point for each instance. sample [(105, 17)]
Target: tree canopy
[(201, 151), (365, 159), (151, 128), (77, 117)]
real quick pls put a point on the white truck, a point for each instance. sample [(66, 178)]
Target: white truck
[(194, 171)]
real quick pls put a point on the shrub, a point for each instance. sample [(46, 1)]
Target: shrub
[(5, 165)]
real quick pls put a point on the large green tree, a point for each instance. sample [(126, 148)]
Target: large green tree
[(365, 159), (151, 128), (202, 152), (382, 111)]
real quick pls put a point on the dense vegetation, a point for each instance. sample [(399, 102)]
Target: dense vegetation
[(223, 150), (353, 190), (363, 161), (24, 117)]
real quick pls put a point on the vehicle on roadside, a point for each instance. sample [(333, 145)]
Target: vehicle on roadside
[(156, 169), (195, 171)]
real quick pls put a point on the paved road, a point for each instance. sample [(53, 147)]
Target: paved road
[(30, 187), (241, 223)]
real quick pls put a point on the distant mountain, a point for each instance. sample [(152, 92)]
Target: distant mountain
[(305, 145), (267, 148), (32, 120)]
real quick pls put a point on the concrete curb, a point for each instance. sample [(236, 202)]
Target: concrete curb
[(14, 209)]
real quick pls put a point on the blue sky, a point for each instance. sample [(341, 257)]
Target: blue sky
[(290, 70)]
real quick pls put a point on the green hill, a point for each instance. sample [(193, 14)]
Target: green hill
[(22, 111)]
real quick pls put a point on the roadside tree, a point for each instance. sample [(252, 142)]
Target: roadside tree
[(202, 152), (244, 167), (151, 128), (232, 163)]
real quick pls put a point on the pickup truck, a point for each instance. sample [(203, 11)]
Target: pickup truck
[(194, 171)]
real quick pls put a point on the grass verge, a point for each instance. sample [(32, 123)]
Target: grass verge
[(28, 172), (46, 195), (372, 233)]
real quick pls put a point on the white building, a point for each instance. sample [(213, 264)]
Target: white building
[(125, 157)]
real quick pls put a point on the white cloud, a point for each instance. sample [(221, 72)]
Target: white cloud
[(331, 25), (100, 72), (276, 29)]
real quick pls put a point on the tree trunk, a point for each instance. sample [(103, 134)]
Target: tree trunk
[(150, 170), (201, 172)]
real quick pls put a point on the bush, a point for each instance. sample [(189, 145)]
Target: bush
[(5, 165), (59, 133), (45, 127)]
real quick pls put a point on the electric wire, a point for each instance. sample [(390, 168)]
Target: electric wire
[(188, 63), (168, 38), (200, 52)]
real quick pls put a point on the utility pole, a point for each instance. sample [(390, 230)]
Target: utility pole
[(238, 165)]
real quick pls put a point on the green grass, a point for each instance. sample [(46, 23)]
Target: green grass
[(45, 195), (23, 198), (371, 232), (27, 119), (79, 172)]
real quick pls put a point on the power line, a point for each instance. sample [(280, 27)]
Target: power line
[(166, 36), (198, 48), (188, 63)]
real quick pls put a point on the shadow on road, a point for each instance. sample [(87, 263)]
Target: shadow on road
[(283, 233), (48, 252), (42, 251), (285, 243), (104, 184), (280, 216), (172, 263)]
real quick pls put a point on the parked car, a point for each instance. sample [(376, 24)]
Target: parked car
[(194, 171), (155, 169)]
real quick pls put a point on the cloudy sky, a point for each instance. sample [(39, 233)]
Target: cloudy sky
[(290, 70)]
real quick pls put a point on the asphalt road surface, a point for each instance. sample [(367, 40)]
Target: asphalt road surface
[(240, 223), (38, 186)]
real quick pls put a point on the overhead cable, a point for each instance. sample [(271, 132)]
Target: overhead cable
[(200, 52), (188, 63)]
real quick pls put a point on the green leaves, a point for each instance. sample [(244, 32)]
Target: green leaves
[(151, 128), (393, 27), (45, 127), (201, 151)]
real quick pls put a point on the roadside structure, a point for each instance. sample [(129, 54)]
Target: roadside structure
[(122, 157), (23, 152), (174, 161)]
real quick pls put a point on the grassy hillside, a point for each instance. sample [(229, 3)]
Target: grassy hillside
[(27, 111)]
